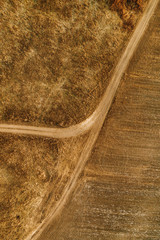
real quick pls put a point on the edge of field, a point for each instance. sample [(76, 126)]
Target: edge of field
[(108, 96), (95, 121)]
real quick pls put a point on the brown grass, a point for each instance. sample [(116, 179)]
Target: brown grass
[(55, 64), (56, 59), (33, 174), (127, 10)]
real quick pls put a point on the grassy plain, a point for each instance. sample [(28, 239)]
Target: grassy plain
[(56, 59), (33, 174)]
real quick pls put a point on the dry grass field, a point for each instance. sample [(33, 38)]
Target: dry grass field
[(118, 196), (56, 58), (55, 63), (33, 174)]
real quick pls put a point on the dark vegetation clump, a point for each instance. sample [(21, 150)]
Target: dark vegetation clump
[(126, 9)]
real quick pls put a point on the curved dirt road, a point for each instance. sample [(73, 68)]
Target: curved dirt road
[(101, 117), (107, 99), (117, 196)]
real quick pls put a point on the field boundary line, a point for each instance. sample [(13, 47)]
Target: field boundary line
[(108, 96), (86, 151)]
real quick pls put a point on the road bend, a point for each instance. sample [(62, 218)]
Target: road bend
[(104, 105), (119, 195)]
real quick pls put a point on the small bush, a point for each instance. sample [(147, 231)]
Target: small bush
[(125, 9)]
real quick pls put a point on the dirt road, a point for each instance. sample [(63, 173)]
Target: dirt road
[(118, 197), (48, 234), (107, 99)]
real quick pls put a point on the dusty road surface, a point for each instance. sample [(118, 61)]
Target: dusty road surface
[(107, 98), (118, 196)]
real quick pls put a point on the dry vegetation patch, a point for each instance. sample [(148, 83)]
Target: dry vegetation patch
[(33, 174), (56, 58)]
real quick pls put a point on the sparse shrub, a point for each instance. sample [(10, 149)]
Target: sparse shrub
[(125, 8)]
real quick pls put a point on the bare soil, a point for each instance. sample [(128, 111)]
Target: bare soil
[(118, 197), (56, 59), (33, 174)]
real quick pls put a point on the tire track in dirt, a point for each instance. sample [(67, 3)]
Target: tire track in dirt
[(108, 96), (100, 117)]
